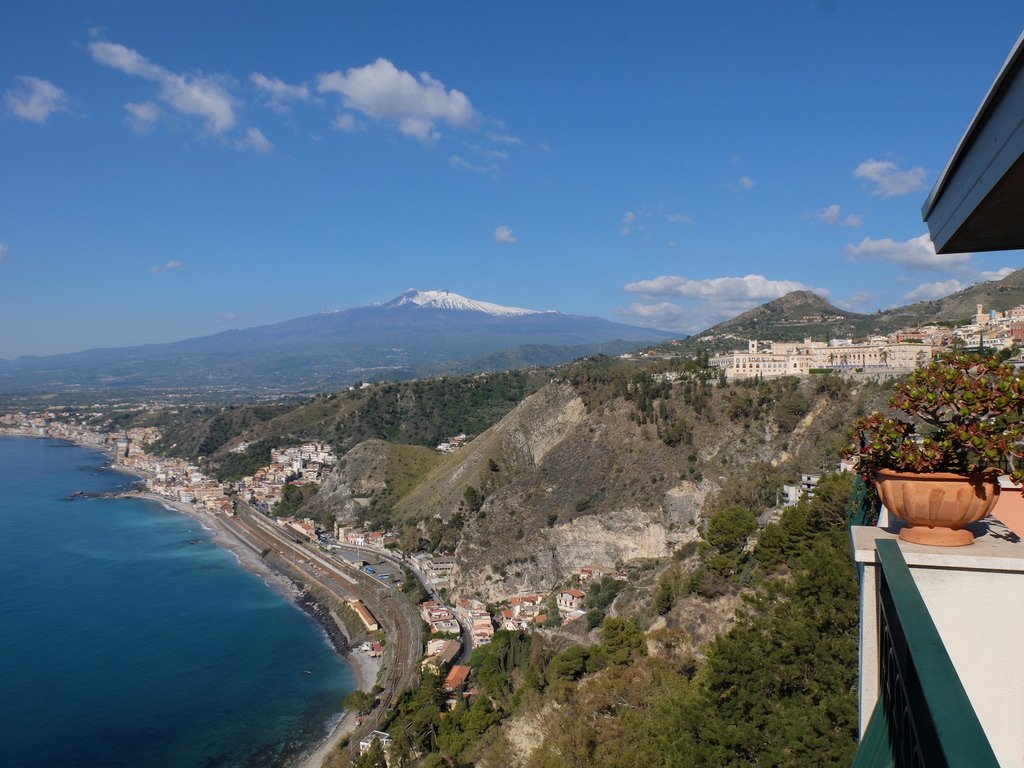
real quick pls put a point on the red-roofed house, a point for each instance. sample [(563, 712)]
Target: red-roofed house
[(570, 600), (457, 677)]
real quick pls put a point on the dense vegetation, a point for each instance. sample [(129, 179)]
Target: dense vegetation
[(777, 689), (422, 412), (293, 497), (635, 682)]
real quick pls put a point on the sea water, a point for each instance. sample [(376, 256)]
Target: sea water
[(127, 638)]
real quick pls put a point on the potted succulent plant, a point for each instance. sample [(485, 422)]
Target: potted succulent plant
[(938, 465)]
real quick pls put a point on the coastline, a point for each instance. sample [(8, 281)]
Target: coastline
[(249, 556), (364, 669), (226, 538)]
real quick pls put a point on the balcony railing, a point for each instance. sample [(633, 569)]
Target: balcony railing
[(923, 718)]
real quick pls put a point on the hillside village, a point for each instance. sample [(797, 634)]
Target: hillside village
[(890, 355), (455, 622), (181, 481)]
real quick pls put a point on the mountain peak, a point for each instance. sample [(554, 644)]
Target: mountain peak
[(795, 306), (453, 301)]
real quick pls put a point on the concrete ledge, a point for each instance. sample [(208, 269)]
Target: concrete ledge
[(975, 595), (995, 548)]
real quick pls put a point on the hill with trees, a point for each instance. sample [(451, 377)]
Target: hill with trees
[(732, 640), (802, 314), (778, 688)]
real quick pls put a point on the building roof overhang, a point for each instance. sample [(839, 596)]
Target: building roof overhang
[(978, 202)]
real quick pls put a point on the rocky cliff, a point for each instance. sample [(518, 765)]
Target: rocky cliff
[(569, 477)]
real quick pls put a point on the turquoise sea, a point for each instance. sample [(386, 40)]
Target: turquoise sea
[(127, 638)]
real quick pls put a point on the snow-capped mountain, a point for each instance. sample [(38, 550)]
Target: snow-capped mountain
[(419, 333), (449, 300)]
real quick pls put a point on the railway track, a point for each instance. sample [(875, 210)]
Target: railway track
[(396, 616)]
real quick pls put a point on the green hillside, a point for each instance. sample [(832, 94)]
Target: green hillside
[(422, 412)]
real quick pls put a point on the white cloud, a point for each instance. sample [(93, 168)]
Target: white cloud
[(504, 138), (254, 140), (418, 128), (916, 252), (998, 274), (487, 152), (889, 179), (663, 313), (747, 288), (627, 223), (415, 105), (35, 100), (346, 123), (172, 264), (491, 169), (142, 117), (679, 218), (280, 95), (685, 305), (937, 290), (4, 249), (673, 317), (201, 97), (833, 216), (829, 215), (927, 291), (858, 302), (504, 234), (743, 183)]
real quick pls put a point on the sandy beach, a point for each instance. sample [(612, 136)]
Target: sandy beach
[(365, 671), (227, 535)]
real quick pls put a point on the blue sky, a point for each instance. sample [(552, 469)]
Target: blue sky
[(176, 169)]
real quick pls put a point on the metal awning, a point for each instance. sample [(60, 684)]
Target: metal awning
[(978, 202)]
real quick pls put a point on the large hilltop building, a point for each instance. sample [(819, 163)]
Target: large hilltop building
[(772, 359), (895, 354)]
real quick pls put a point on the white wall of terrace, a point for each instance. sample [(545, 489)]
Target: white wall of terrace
[(975, 595)]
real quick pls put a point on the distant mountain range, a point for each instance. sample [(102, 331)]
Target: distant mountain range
[(419, 333), (430, 333), (802, 314)]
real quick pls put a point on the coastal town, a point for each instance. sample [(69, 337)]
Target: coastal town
[(453, 630), (890, 355), (453, 625)]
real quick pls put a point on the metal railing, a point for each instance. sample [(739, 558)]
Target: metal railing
[(923, 718)]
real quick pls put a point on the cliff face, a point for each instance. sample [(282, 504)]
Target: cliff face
[(360, 473), (562, 487), (502, 559), (507, 454), (568, 479)]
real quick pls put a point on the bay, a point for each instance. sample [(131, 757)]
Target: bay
[(129, 638)]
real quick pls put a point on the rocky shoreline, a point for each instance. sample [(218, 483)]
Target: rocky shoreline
[(319, 612)]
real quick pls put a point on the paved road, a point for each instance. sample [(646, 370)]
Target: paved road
[(398, 617)]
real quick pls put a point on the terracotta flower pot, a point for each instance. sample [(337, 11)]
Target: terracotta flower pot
[(938, 505), (1010, 507)]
